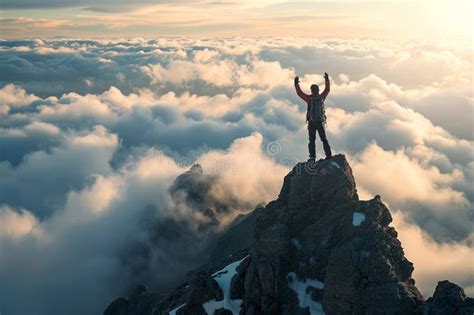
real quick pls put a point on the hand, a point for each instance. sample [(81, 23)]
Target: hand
[(326, 77), (297, 80)]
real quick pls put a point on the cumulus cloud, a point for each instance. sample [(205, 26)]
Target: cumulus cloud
[(12, 96), (429, 78), (433, 261), (245, 173), (94, 132), (15, 224), (425, 194), (121, 229), (41, 181), (221, 73)]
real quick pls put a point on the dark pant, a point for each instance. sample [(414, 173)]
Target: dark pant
[(312, 127)]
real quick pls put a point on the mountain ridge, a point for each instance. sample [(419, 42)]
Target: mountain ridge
[(316, 249)]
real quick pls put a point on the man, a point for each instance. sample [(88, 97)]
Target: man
[(315, 115)]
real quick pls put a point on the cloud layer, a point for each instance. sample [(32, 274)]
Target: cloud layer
[(93, 133)]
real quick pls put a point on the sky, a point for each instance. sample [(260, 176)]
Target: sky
[(103, 105), (443, 20)]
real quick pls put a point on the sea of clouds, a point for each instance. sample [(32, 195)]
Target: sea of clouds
[(93, 133)]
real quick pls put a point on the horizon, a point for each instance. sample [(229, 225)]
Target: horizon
[(377, 18)]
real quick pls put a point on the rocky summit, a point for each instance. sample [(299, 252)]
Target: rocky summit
[(316, 249)]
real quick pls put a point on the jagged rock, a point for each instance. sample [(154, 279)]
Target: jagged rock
[(449, 298), (141, 301), (192, 188), (358, 264), (191, 310), (273, 241), (118, 307), (196, 190), (237, 285), (316, 247), (238, 236), (203, 288)]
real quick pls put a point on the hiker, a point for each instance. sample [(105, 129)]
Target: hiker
[(315, 115)]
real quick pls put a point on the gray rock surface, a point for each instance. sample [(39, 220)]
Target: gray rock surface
[(449, 298), (316, 247)]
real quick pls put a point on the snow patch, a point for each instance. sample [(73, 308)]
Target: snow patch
[(304, 296), (335, 164), (224, 279), (173, 312), (358, 218)]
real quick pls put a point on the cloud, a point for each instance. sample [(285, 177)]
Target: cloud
[(213, 67), (15, 224), (221, 73), (433, 261), (245, 173), (12, 96), (423, 192), (121, 229), (43, 178)]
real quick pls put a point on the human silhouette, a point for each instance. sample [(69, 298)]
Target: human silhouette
[(315, 115)]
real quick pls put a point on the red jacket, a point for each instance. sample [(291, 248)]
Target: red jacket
[(307, 98)]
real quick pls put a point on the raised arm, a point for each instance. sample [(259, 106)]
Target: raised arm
[(305, 97), (327, 86)]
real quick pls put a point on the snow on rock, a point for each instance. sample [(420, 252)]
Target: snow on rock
[(173, 311), (358, 218), (335, 164), (223, 278), (304, 296)]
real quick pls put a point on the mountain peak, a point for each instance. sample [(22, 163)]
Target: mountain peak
[(316, 249), (196, 168), (345, 244), (310, 183)]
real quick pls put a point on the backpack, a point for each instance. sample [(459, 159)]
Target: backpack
[(317, 111)]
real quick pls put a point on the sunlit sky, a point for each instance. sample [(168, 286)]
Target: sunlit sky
[(397, 19)]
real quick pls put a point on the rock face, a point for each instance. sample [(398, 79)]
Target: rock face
[(140, 302), (316, 249), (449, 298), (192, 189)]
